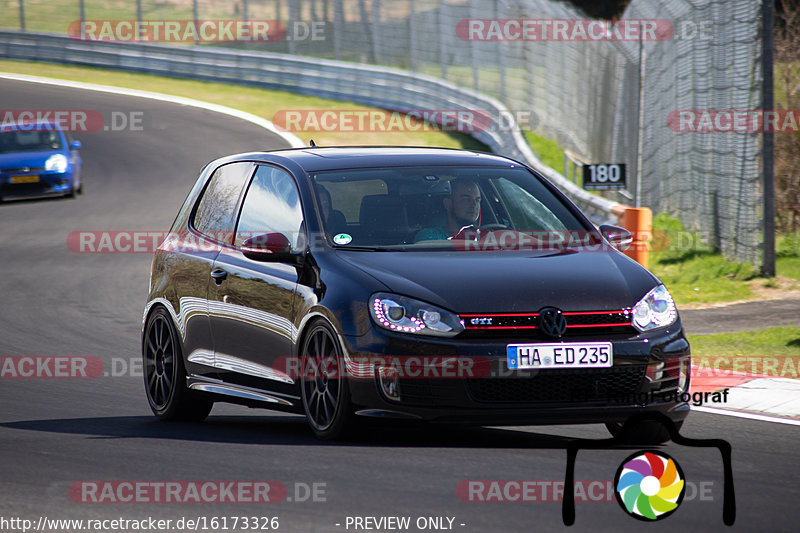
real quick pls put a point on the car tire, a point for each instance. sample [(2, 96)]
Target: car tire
[(325, 395), (165, 373), (648, 432)]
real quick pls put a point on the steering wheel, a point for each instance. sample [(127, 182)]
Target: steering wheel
[(493, 227)]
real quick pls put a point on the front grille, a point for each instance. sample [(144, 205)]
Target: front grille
[(22, 170), (578, 323), (613, 385), (24, 188), (418, 391)]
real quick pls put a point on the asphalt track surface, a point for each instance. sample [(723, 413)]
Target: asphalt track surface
[(742, 316), (56, 432)]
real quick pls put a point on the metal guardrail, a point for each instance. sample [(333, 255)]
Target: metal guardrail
[(381, 87)]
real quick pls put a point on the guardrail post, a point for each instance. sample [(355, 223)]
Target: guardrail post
[(293, 16), (473, 51), (195, 15), (442, 39), (338, 22), (502, 50), (22, 15), (376, 32), (412, 36), (83, 11)]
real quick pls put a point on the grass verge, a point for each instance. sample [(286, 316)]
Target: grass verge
[(696, 275), (547, 150), (692, 271), (772, 351)]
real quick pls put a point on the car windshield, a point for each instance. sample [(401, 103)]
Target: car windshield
[(29, 140), (438, 208)]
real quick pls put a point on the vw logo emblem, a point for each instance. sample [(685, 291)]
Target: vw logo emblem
[(552, 322)]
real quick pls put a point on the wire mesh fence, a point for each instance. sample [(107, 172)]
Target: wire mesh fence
[(603, 95)]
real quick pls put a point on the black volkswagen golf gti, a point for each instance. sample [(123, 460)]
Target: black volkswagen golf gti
[(409, 283)]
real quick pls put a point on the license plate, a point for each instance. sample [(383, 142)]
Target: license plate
[(560, 355), (24, 179)]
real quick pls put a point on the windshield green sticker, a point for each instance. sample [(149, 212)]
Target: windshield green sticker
[(342, 238)]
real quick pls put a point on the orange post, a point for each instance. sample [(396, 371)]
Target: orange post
[(639, 221)]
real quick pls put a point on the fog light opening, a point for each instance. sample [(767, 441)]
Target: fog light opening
[(389, 379), (683, 375), (655, 372)]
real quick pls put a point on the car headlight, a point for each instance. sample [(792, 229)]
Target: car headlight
[(655, 310), (57, 163), (406, 315)]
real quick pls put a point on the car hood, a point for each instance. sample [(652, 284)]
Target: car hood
[(506, 282), (25, 159)]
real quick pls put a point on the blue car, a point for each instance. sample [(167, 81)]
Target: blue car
[(38, 159)]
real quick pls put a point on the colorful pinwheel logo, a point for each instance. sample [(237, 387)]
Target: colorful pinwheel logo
[(649, 485)]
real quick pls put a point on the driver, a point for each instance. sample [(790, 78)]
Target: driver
[(463, 208)]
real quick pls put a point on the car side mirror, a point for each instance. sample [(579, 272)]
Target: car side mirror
[(272, 247), (619, 238), (75, 145)]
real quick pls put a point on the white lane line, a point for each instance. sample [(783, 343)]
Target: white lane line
[(749, 416), (293, 140)]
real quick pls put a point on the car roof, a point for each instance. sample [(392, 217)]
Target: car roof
[(315, 159)]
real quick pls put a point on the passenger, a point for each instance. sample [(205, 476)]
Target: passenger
[(334, 220)]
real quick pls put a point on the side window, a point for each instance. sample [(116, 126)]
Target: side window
[(216, 211), (272, 205)]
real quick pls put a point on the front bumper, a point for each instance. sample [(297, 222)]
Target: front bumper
[(49, 183), (644, 378)]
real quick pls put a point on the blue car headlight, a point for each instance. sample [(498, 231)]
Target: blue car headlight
[(406, 315), (57, 163), (655, 310)]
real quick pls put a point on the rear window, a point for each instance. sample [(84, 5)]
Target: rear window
[(216, 209)]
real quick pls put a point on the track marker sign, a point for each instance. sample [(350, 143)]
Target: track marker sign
[(604, 176)]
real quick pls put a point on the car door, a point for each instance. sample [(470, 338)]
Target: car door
[(195, 248), (252, 303)]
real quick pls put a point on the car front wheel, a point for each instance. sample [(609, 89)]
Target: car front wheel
[(325, 393)]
